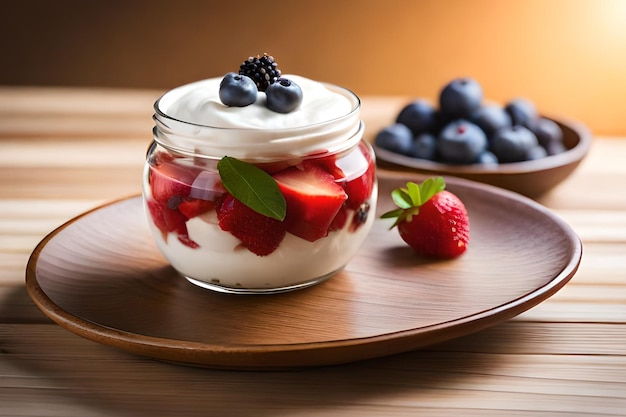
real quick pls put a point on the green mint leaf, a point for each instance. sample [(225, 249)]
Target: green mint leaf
[(253, 187)]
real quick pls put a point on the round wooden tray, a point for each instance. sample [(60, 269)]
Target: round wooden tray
[(101, 277)]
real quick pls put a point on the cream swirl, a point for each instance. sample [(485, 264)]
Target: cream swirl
[(192, 119), (199, 103)]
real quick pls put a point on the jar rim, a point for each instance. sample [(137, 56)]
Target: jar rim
[(259, 144)]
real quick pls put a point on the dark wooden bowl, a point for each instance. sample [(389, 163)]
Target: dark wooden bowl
[(530, 178)]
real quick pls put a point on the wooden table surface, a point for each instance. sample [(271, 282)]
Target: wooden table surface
[(63, 151)]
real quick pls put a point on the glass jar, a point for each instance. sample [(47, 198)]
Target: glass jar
[(325, 171)]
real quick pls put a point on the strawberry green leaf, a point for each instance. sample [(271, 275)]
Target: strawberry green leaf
[(397, 214), (430, 187), (401, 198), (410, 199), (253, 187), (414, 194), (391, 214)]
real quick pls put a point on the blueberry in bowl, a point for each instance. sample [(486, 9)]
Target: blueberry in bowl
[(509, 145), (514, 144), (396, 138), (460, 98), (461, 142), (419, 116), (492, 117)]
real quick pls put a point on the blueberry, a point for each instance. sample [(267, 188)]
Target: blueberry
[(492, 117), (395, 138), (554, 148), (460, 98), (237, 90), (487, 158), (461, 142), (419, 115), (513, 144), (547, 131), (424, 146), (283, 96), (522, 112), (536, 152)]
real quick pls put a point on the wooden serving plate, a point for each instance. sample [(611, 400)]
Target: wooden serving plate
[(101, 277)]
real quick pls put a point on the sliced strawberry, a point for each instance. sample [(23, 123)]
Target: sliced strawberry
[(272, 167), (169, 179), (170, 220), (186, 240), (260, 234), (360, 189), (329, 164), (167, 219), (313, 200), (340, 219), (192, 207)]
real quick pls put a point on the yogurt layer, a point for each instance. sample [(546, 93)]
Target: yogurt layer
[(220, 260)]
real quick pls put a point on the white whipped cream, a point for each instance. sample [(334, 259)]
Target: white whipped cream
[(199, 103), (192, 119)]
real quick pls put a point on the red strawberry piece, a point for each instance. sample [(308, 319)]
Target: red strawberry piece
[(260, 234), (360, 189), (340, 219), (432, 221), (313, 200), (329, 164), (167, 219), (186, 240), (169, 179), (170, 220), (272, 167), (156, 213), (192, 207)]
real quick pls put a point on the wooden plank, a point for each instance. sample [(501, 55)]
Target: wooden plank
[(66, 154), (95, 183), (511, 369)]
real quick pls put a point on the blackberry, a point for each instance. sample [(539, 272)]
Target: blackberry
[(262, 69)]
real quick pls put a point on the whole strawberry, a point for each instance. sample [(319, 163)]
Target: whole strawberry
[(431, 220)]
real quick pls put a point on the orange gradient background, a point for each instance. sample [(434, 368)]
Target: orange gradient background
[(568, 56)]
